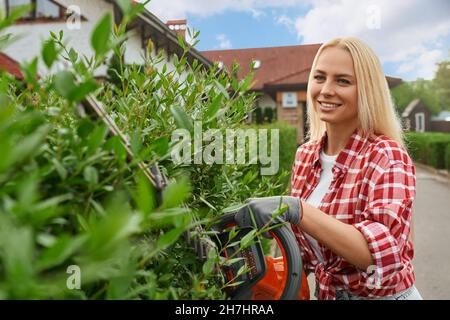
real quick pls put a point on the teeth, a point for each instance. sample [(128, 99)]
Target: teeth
[(329, 105)]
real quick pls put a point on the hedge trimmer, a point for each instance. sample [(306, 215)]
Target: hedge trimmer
[(265, 277)]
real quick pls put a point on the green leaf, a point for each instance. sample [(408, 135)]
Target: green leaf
[(145, 195), (115, 144), (80, 92), (73, 55), (176, 193), (136, 142), (160, 146), (49, 53), (181, 118), (221, 89), (60, 251), (62, 172), (30, 71), (208, 267), (125, 6), (15, 14), (229, 262), (213, 107), (84, 225), (28, 145), (85, 128), (169, 238), (248, 239), (101, 35), (90, 174), (64, 83), (96, 139)]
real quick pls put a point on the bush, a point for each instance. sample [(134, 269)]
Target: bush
[(70, 199), (447, 157), (429, 148), (288, 147)]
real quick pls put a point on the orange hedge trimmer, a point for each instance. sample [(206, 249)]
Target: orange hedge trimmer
[(266, 277)]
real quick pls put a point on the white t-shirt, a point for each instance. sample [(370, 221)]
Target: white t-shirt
[(315, 199)]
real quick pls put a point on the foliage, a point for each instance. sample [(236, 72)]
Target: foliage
[(424, 90), (68, 195), (429, 148), (442, 82), (447, 157), (434, 93), (288, 147)]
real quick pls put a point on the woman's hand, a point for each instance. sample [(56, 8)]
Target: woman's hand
[(263, 208)]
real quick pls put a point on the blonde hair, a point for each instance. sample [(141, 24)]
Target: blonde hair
[(376, 113)]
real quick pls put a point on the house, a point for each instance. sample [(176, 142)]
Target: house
[(441, 122), (418, 117), (77, 19), (281, 77)]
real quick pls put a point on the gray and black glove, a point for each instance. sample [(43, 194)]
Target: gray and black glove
[(263, 208)]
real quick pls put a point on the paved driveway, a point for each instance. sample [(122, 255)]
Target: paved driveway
[(432, 235)]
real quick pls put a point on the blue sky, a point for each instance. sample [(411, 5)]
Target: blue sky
[(243, 30), (409, 36)]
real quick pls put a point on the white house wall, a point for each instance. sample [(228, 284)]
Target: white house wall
[(32, 35)]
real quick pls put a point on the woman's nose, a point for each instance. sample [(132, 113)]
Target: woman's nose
[(327, 89)]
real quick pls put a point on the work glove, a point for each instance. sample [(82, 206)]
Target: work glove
[(263, 208)]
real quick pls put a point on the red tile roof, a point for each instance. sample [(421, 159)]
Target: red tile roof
[(279, 65), (10, 65)]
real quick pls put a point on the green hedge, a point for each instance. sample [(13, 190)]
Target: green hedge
[(431, 148), (287, 148), (447, 157)]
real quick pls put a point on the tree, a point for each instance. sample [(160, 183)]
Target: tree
[(442, 83), (425, 90)]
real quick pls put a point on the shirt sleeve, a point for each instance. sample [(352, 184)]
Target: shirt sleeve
[(387, 217)]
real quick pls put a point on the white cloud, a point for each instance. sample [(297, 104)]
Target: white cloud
[(224, 42), (285, 21), (179, 9), (424, 66), (405, 32)]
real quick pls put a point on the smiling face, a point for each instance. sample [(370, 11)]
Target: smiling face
[(333, 88)]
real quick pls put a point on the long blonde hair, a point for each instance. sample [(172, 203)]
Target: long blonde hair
[(376, 113)]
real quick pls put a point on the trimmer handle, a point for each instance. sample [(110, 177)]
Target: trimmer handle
[(253, 257)]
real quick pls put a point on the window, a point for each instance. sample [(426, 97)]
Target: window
[(47, 9), (289, 100), (420, 122), (42, 10)]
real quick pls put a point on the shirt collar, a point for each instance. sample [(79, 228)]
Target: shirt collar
[(346, 156)]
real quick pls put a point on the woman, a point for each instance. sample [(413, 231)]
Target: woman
[(354, 179)]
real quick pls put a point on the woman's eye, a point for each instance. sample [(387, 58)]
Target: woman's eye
[(344, 81), (319, 77)]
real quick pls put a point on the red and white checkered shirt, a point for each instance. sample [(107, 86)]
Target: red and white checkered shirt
[(373, 189)]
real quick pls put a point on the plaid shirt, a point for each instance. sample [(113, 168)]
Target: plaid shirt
[(373, 189)]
